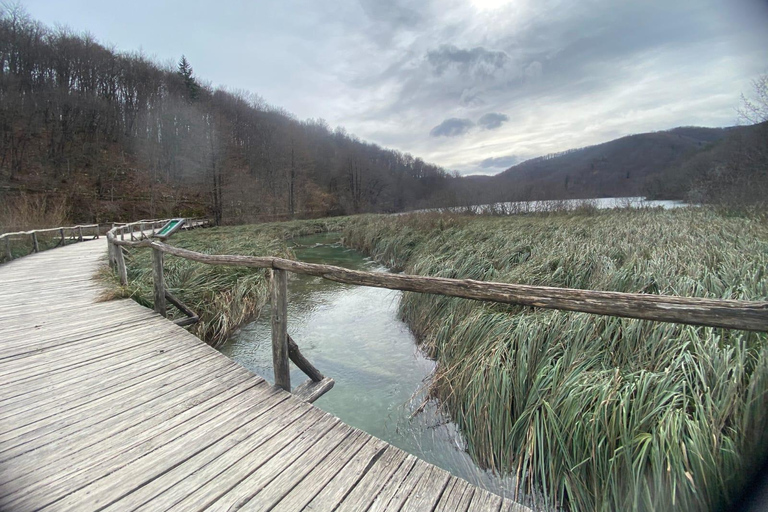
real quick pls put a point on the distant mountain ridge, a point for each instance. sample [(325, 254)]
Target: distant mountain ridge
[(621, 167)]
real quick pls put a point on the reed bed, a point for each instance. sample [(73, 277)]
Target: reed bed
[(224, 298), (593, 412)]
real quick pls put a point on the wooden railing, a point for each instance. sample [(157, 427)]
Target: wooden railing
[(730, 314), (73, 233)]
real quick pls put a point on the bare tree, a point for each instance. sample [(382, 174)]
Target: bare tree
[(755, 109)]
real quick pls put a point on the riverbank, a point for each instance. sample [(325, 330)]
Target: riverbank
[(600, 413), (225, 298)]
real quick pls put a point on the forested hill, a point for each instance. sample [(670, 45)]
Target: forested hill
[(120, 137), (630, 166)]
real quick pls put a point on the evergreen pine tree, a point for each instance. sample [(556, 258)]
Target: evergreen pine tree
[(185, 72)]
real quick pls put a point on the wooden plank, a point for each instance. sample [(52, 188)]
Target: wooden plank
[(286, 468), (484, 501), (310, 390), (280, 361), (297, 497), (169, 488), (399, 487), (36, 425), (133, 425), (456, 497), (377, 474), (98, 485), (111, 372), (428, 490), (310, 425)]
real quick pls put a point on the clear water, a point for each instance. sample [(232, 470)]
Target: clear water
[(601, 203), (352, 334)]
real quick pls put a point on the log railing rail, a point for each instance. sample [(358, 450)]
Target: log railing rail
[(73, 233), (723, 313)]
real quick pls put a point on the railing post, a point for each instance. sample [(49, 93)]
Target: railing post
[(280, 361), (79, 233), (62, 237), (8, 248), (35, 245), (110, 251), (157, 272), (122, 271)]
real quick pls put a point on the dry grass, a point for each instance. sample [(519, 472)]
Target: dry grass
[(224, 298), (28, 211), (599, 413)]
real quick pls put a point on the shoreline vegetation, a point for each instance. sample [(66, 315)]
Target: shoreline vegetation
[(225, 298), (596, 413), (599, 413)]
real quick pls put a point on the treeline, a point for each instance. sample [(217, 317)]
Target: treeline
[(731, 173), (121, 136)]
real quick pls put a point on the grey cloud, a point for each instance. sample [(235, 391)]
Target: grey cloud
[(451, 128), (492, 120), (500, 162), (477, 62), (391, 12), (533, 70)]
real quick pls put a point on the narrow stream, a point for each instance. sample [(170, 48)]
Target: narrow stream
[(352, 334)]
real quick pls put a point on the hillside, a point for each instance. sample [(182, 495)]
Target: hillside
[(116, 136), (621, 167)]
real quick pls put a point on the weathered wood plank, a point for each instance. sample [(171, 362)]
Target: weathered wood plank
[(285, 469), (385, 462), (399, 487), (428, 490), (484, 501), (171, 487), (310, 390), (83, 486), (357, 445), (313, 423), (122, 271), (456, 497)]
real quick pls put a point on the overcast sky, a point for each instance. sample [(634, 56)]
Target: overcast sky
[(473, 85)]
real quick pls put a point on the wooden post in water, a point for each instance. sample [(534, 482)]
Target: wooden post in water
[(280, 361), (157, 272), (8, 248), (35, 245), (122, 272)]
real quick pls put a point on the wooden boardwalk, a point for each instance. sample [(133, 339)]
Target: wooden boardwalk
[(108, 406)]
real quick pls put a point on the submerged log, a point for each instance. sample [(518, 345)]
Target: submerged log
[(302, 362)]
